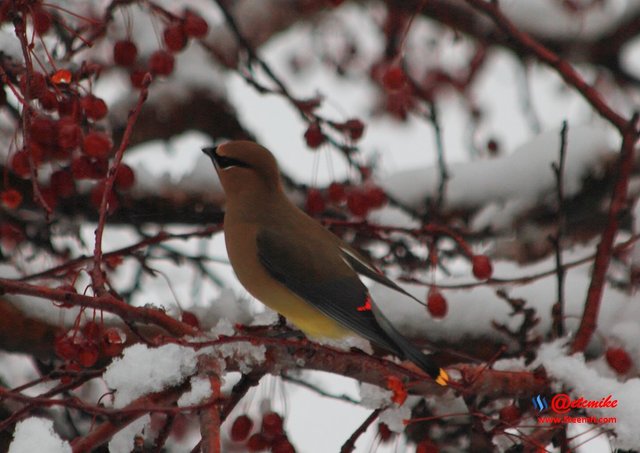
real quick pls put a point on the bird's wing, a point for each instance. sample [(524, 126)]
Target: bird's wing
[(324, 281), (366, 269), (329, 281)]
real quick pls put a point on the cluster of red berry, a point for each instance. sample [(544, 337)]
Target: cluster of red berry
[(176, 35), (359, 201), (270, 437), (314, 136), (64, 131), (436, 302), (81, 347)]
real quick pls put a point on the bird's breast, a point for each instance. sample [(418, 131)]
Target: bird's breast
[(240, 240)]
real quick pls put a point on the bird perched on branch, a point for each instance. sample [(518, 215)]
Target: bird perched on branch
[(294, 265)]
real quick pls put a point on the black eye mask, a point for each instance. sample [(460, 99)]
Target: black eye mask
[(223, 161)]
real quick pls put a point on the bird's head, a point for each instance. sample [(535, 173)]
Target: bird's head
[(245, 167)]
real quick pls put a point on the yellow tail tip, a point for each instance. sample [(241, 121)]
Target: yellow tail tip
[(443, 378)]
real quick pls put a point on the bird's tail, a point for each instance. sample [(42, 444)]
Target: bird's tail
[(411, 352)]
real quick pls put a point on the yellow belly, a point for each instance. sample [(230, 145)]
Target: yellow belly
[(254, 277)]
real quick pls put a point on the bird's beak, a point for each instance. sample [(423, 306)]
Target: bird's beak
[(211, 152)]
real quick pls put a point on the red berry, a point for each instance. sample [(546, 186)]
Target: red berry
[(510, 414), (69, 133), (137, 77), (48, 100), (189, 318), (65, 347), (336, 192), (68, 106), (436, 304), (314, 136), (161, 62), (241, 428), (482, 268), (99, 167), (427, 446), (11, 198), (71, 369), (41, 21), (384, 432), (94, 107), (43, 131), (20, 163), (282, 445), (376, 197), (357, 203), (174, 37), (112, 341), (125, 177), (81, 168), (315, 203), (619, 360), (272, 425), (91, 331), (37, 84), (194, 25), (257, 442), (125, 53), (394, 78), (96, 144), (493, 146), (88, 355), (62, 184), (355, 128)]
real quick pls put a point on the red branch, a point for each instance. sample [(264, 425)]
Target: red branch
[(563, 68), (106, 302), (605, 247), (97, 275)]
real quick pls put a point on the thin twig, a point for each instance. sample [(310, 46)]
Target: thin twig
[(350, 444), (97, 276), (604, 250), (558, 169)]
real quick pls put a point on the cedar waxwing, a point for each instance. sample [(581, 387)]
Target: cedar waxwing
[(293, 264)]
